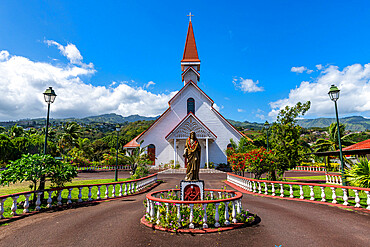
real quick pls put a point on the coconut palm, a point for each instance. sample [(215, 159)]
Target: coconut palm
[(137, 157), (359, 175), (69, 137), (332, 144)]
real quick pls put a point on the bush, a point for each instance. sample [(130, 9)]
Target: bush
[(141, 171), (359, 175)]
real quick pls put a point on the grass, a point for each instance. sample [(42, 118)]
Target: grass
[(308, 178), (22, 187)]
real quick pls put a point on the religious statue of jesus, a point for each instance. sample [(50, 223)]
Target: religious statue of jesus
[(192, 154)]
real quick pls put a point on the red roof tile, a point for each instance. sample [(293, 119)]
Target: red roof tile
[(361, 145), (132, 143), (190, 51)]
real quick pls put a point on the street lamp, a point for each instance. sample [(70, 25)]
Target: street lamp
[(266, 125), (116, 170), (334, 96), (49, 96)]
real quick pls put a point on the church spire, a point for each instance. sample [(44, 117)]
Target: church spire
[(190, 62)]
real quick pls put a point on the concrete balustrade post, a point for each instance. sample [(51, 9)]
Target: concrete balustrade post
[(26, 203), (125, 189), (227, 222), (158, 214), (107, 191), (191, 217), (49, 200), (120, 190), (113, 190), (312, 194), (98, 193), (301, 193), (259, 188), (217, 216), (2, 201), (266, 189), (167, 210), (357, 199), (291, 191), (368, 199), (38, 201), (345, 197), (233, 213), (178, 215), (281, 190), (152, 210), (254, 187), (59, 198), (14, 205), (79, 194), (333, 196), (205, 225), (273, 189), (323, 196), (89, 194), (69, 197)]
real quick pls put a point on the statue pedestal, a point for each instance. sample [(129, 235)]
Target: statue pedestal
[(192, 190)]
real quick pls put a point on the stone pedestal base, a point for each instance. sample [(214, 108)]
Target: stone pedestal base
[(192, 190)]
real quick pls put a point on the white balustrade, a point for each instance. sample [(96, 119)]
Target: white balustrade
[(217, 216), (301, 193), (107, 191), (334, 195), (191, 217), (345, 197), (2, 201), (26, 203), (312, 193), (323, 196), (38, 201), (205, 225), (69, 198), (357, 199), (281, 190), (227, 222), (50, 200), (291, 191), (59, 198), (89, 194), (80, 194)]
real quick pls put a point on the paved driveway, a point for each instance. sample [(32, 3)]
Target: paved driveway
[(116, 223)]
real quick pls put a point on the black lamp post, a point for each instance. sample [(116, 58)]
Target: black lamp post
[(266, 125), (49, 96), (334, 96), (116, 170)]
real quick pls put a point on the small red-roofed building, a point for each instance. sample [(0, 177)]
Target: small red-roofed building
[(190, 109)]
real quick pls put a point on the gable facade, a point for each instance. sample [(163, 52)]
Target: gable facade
[(189, 110)]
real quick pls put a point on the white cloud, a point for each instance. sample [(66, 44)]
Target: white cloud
[(247, 85), (353, 81), (71, 52), (148, 84), (260, 116), (218, 108), (301, 70), (319, 67), (241, 110), (23, 81)]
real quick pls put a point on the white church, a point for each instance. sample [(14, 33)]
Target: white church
[(190, 109)]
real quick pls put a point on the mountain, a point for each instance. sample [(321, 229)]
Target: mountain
[(115, 118), (246, 125), (355, 123)]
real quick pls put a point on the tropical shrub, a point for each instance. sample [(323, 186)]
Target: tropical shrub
[(359, 175), (33, 167), (141, 171)]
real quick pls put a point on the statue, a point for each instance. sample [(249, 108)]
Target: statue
[(192, 154)]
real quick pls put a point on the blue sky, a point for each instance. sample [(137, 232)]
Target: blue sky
[(124, 56)]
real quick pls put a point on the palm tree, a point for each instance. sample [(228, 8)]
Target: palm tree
[(137, 157), (359, 175), (332, 144), (84, 145), (16, 131), (69, 137)]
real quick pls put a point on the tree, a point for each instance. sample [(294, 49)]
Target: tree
[(285, 135), (332, 144), (359, 175), (7, 149), (244, 145), (69, 137), (33, 167), (137, 157)]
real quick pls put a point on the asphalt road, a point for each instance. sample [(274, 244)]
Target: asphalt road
[(116, 223)]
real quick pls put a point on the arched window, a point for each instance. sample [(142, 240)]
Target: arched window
[(151, 153), (229, 146), (191, 106)]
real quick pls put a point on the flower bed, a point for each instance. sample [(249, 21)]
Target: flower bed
[(219, 209)]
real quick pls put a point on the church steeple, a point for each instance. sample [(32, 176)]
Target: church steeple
[(190, 63)]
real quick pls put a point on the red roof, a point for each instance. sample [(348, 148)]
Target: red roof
[(361, 145), (132, 143), (190, 51)]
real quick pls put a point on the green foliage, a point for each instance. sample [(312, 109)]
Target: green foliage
[(359, 175), (7, 149), (285, 137), (33, 167), (141, 171), (137, 157)]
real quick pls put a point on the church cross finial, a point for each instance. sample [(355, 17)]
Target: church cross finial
[(190, 15)]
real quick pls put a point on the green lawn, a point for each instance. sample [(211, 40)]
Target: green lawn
[(308, 177)]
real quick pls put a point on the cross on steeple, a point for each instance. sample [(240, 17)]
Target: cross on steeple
[(190, 15)]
